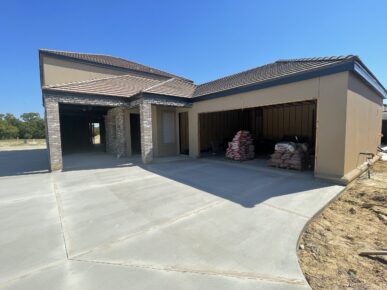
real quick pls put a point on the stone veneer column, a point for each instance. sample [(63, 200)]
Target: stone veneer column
[(146, 132), (120, 132), (54, 144)]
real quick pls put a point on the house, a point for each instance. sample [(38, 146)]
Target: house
[(384, 125), (333, 103)]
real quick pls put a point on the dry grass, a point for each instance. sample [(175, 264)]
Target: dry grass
[(22, 142), (356, 221)]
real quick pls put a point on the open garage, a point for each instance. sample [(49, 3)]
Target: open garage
[(82, 128), (295, 122)]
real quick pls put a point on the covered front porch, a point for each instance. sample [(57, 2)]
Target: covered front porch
[(143, 127), (146, 129)]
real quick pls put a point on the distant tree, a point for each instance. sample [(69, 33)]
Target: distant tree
[(11, 120), (8, 131), (30, 125)]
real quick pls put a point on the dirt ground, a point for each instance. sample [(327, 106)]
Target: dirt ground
[(357, 221)]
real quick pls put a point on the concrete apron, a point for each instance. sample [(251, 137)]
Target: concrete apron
[(185, 224)]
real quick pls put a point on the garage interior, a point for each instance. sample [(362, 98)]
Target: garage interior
[(267, 125), (82, 128)]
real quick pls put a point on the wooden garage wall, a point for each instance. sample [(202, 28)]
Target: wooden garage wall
[(221, 127), (272, 123), (297, 119)]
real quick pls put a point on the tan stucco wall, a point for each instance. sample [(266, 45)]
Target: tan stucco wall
[(330, 126), (363, 124), (58, 71), (330, 93)]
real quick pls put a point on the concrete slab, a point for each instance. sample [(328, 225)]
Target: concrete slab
[(182, 223), (31, 235)]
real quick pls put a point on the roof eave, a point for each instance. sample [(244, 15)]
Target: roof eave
[(365, 74), (52, 91), (134, 97), (147, 95)]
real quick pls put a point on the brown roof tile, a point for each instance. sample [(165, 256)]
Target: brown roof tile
[(121, 86), (270, 71), (173, 87)]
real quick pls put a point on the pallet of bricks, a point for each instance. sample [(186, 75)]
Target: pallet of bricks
[(290, 155), (241, 147)]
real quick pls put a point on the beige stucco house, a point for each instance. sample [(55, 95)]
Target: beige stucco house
[(334, 104)]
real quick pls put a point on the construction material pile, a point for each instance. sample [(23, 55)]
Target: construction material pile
[(241, 147), (290, 155)]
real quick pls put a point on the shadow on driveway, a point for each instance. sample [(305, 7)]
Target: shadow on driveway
[(20, 162), (245, 186)]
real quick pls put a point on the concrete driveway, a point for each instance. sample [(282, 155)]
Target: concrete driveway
[(184, 224)]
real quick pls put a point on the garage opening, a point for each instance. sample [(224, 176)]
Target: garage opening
[(290, 122), (82, 128)]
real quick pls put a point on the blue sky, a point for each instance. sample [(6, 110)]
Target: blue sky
[(201, 40)]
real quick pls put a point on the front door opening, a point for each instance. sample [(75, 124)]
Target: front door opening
[(183, 133), (135, 133)]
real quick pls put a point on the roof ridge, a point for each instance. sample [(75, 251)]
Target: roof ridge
[(234, 74), (94, 80), (159, 84), (324, 58), (75, 52)]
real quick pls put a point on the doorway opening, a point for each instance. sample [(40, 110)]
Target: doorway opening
[(183, 133), (95, 133), (135, 133)]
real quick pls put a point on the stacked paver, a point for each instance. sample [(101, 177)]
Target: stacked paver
[(241, 147), (290, 155)]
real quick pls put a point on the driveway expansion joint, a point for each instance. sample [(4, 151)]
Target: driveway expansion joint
[(231, 274), (286, 210), (60, 211)]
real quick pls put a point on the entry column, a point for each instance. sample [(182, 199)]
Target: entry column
[(53, 138), (146, 132), (120, 132)]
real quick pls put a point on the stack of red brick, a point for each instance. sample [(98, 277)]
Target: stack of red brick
[(241, 148), (290, 155)]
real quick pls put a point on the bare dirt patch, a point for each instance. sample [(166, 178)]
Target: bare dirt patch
[(356, 221)]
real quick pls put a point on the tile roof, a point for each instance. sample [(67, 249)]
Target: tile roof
[(118, 86), (129, 85), (173, 87), (110, 61), (270, 71)]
